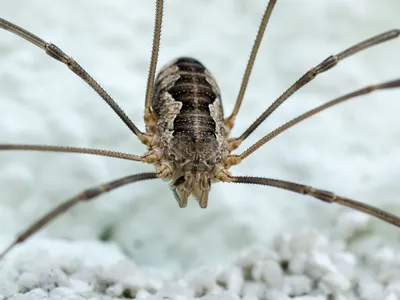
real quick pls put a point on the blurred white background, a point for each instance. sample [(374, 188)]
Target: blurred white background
[(351, 149)]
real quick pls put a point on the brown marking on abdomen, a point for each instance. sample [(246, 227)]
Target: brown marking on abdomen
[(189, 85)]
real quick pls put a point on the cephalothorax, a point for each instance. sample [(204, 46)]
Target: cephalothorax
[(186, 133)]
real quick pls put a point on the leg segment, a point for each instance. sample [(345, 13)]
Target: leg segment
[(321, 195), (153, 156), (149, 116), (325, 65), (56, 53), (291, 123), (86, 195), (47, 148), (229, 122)]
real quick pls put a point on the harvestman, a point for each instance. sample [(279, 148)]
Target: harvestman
[(186, 135)]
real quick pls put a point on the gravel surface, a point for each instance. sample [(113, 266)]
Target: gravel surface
[(305, 265)]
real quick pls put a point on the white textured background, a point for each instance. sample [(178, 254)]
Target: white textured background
[(351, 149)]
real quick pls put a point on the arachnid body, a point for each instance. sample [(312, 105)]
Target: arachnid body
[(190, 126), (187, 138)]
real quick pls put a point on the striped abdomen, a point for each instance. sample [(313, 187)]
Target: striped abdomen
[(187, 103), (188, 83)]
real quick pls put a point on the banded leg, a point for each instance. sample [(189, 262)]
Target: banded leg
[(234, 159), (325, 65), (86, 195), (150, 118), (153, 156), (323, 195), (229, 122), (67, 149), (56, 53)]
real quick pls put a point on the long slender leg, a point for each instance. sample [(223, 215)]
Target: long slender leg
[(229, 122), (325, 65), (86, 195), (48, 148), (56, 53), (150, 157), (149, 117), (323, 195), (235, 159)]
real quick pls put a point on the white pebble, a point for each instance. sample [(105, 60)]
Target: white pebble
[(73, 297), (80, 286), (88, 275), (34, 261), (8, 273), (8, 288), (173, 290), (250, 297), (134, 283), (275, 295), (389, 273), (306, 240), (282, 246), (345, 263), (143, 294), (69, 264), (119, 271), (52, 278), (38, 291), (221, 296), (296, 285), (61, 292), (334, 283), (253, 289), (383, 259), (352, 222), (369, 289), (270, 272), (28, 281), (155, 297), (18, 296), (309, 298), (36, 294), (318, 264), (115, 290), (259, 253), (394, 287), (154, 283), (391, 296), (232, 279), (297, 264), (203, 281), (385, 254)]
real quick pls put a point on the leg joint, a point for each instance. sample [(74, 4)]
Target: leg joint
[(320, 194)]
